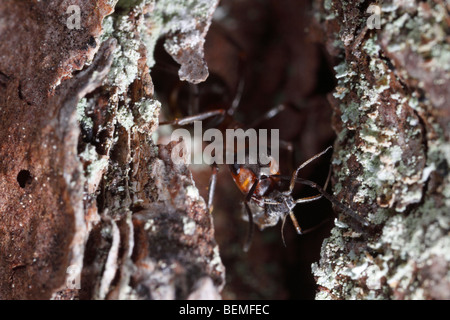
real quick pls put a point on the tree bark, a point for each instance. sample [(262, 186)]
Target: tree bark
[(391, 115), (91, 208)]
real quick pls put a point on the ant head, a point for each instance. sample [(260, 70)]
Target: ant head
[(268, 210)]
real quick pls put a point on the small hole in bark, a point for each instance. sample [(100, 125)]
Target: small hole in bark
[(92, 42), (24, 178)]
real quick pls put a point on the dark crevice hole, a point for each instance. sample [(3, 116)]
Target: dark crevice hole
[(24, 177)]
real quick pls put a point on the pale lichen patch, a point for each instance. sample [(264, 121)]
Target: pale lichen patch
[(401, 156)]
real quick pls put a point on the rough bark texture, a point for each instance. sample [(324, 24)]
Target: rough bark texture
[(84, 188), (87, 194), (391, 159)]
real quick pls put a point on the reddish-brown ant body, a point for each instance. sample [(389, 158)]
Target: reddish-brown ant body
[(265, 201)]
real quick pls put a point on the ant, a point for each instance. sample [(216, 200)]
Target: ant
[(266, 202)]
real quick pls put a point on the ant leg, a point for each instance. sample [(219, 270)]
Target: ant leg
[(198, 117), (316, 197), (237, 98), (294, 176), (305, 200), (305, 231), (248, 197), (308, 199), (295, 222), (212, 186), (334, 201), (297, 227), (242, 62), (286, 145), (329, 197), (282, 230), (268, 115)]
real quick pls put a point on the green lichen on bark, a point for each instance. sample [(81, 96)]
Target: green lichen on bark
[(129, 179), (392, 153), (123, 26)]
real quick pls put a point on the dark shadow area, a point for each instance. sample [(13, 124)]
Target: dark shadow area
[(265, 45)]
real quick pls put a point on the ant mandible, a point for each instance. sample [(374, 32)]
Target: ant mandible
[(265, 201)]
